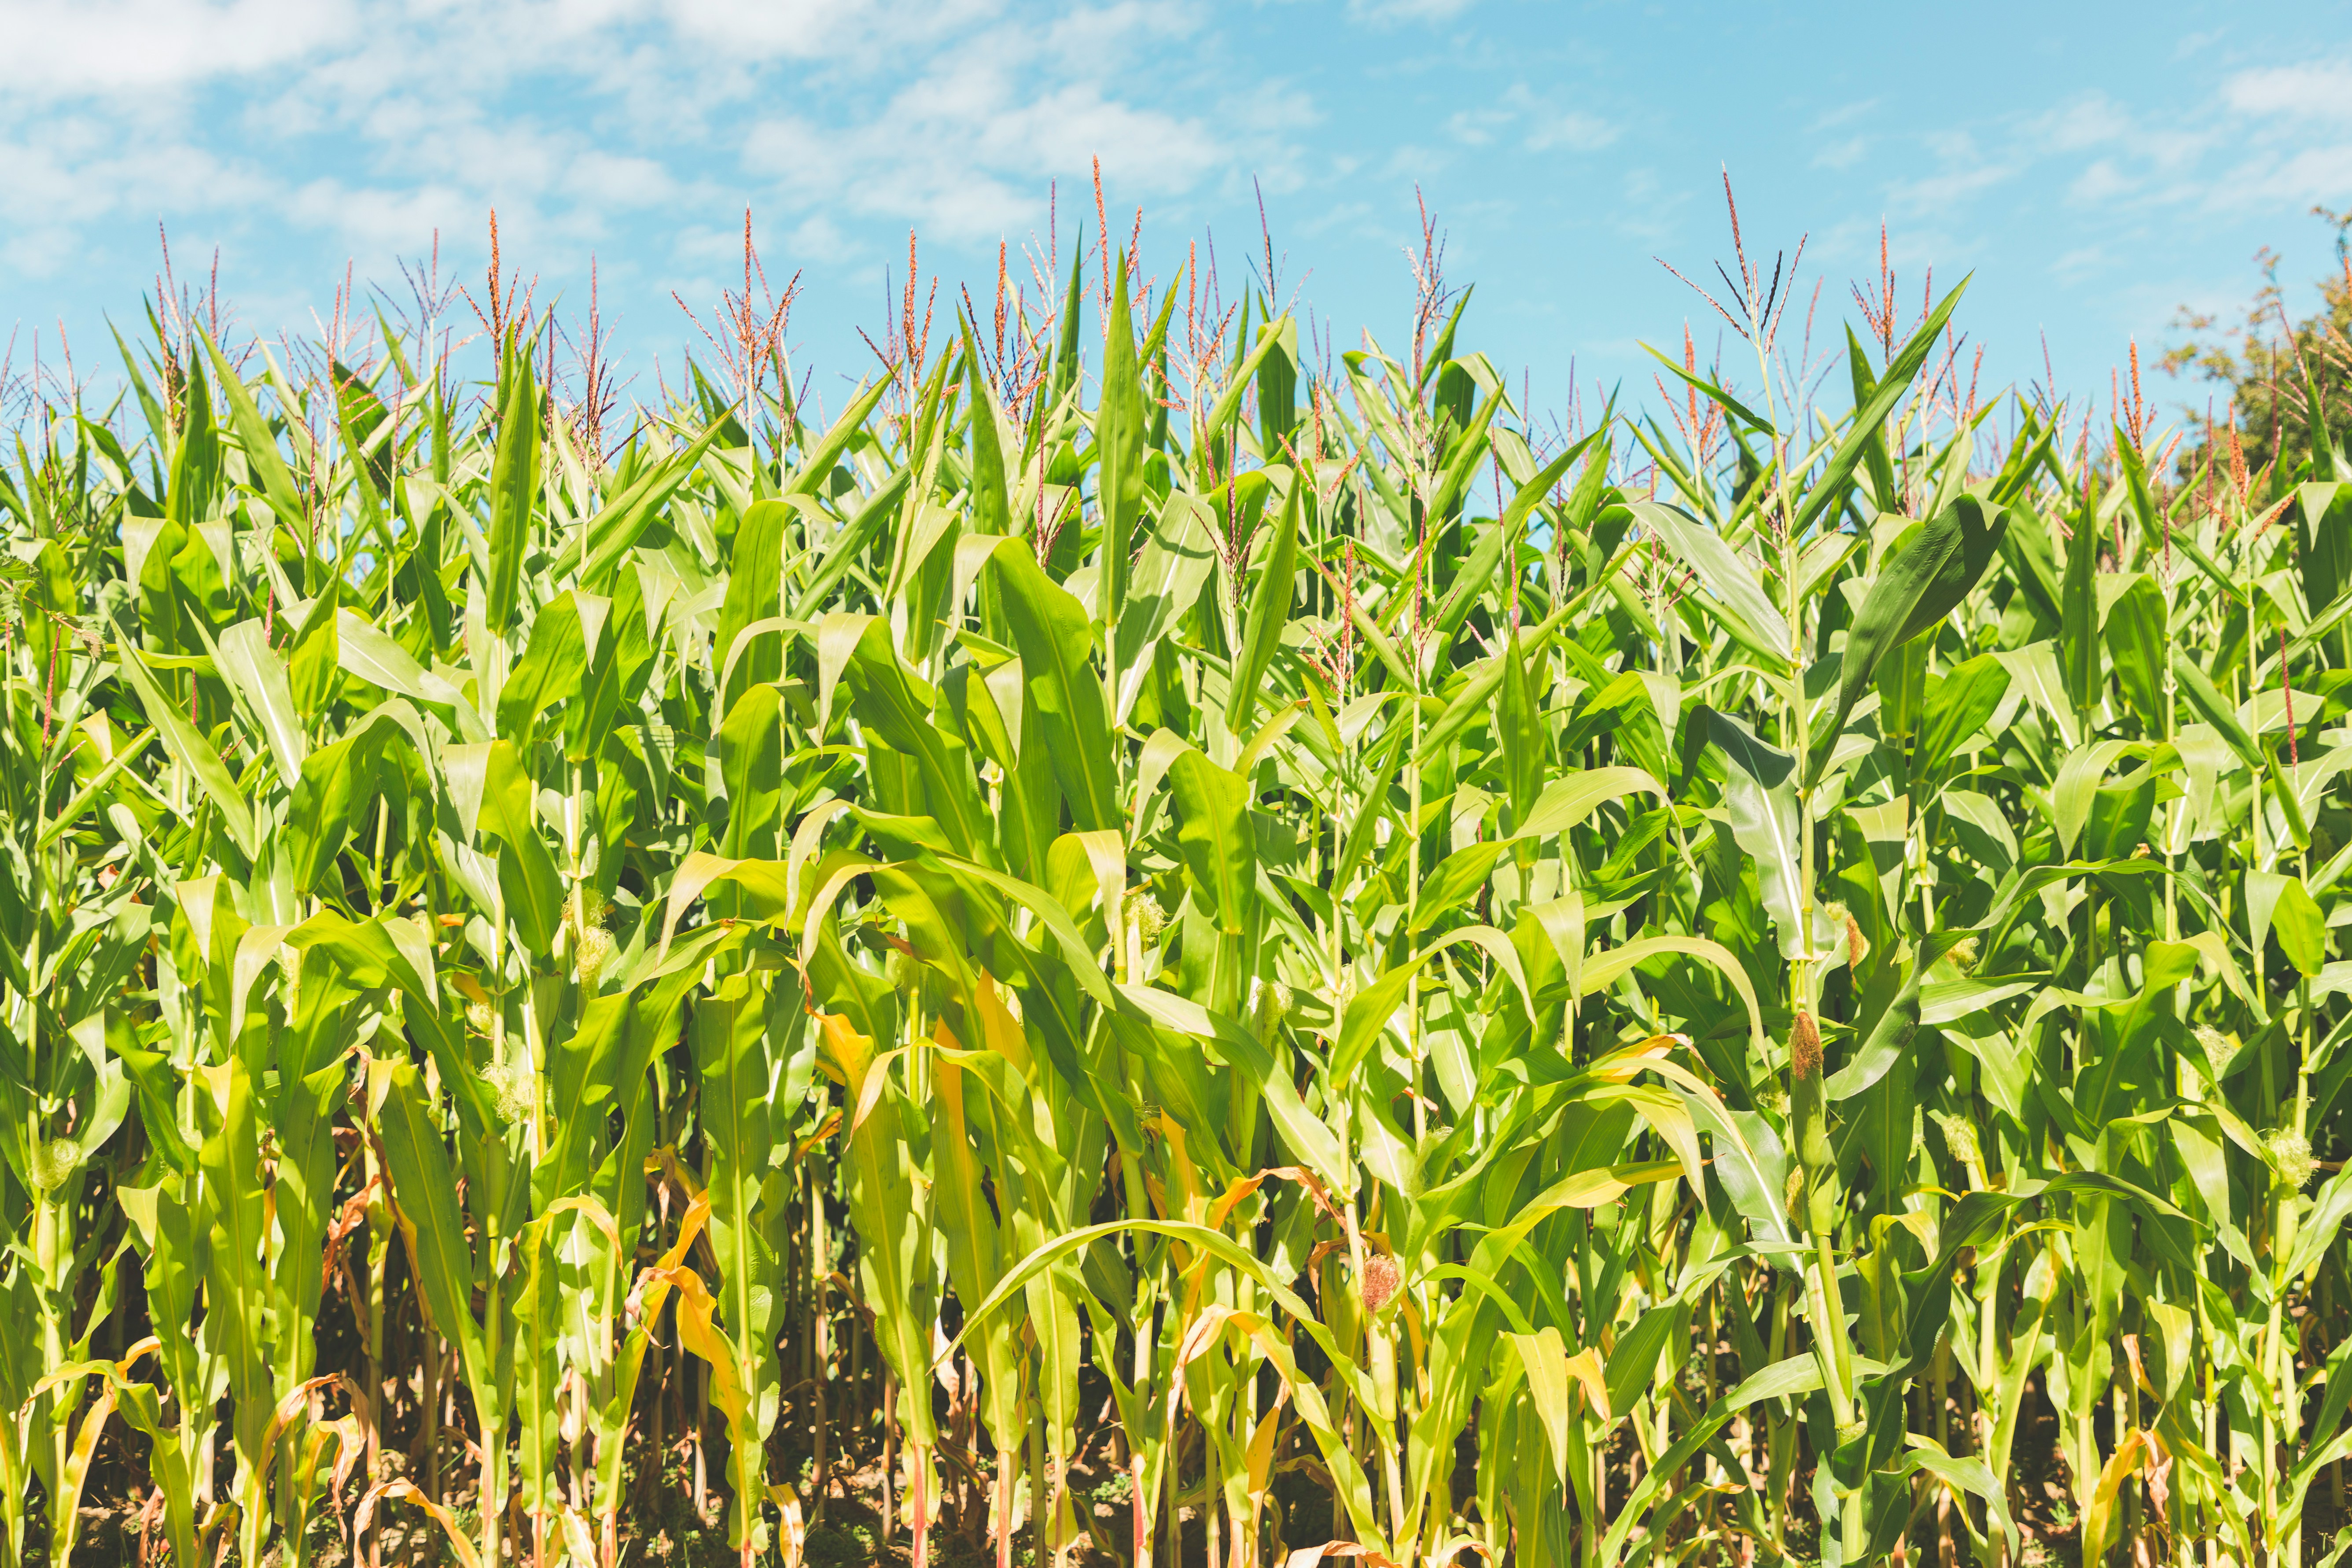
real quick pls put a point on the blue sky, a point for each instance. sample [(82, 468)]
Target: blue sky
[(2096, 167)]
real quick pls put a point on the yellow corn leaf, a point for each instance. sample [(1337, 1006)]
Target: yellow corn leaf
[(2100, 1519), (653, 1283), (795, 1541), (407, 1492)]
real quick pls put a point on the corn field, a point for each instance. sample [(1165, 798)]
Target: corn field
[(1151, 944)]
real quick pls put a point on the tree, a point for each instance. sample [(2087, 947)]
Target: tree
[(2274, 372)]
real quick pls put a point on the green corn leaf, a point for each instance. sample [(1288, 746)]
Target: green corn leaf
[(2078, 622), (1269, 612), (1927, 573), (617, 528), (533, 887), (1118, 444), (1213, 817), (426, 1189), (514, 484), (248, 661), (1736, 593), (191, 752), (259, 444), (1051, 631), (2136, 643), (1827, 489), (1958, 706)]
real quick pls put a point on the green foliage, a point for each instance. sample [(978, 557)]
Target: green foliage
[(1167, 958)]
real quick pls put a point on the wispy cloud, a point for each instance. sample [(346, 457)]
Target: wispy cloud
[(1389, 13), (2301, 176), (120, 48), (1842, 154), (1532, 121), (2260, 138), (372, 124), (1571, 128), (2267, 136), (1939, 194), (2093, 121), (2318, 91)]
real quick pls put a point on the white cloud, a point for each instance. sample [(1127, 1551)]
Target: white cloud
[(2318, 91), (1477, 127), (794, 30), (1536, 124), (819, 238), (2256, 142), (802, 157), (2103, 182), (1842, 154), (2081, 263), (373, 221), (1936, 194), (120, 48), (1574, 129), (2091, 121), (1117, 32), (1648, 212), (620, 180), (1844, 114), (962, 150), (2302, 177), (378, 122), (1388, 13), (66, 171)]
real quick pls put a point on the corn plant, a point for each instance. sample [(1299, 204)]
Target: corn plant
[(1147, 944)]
